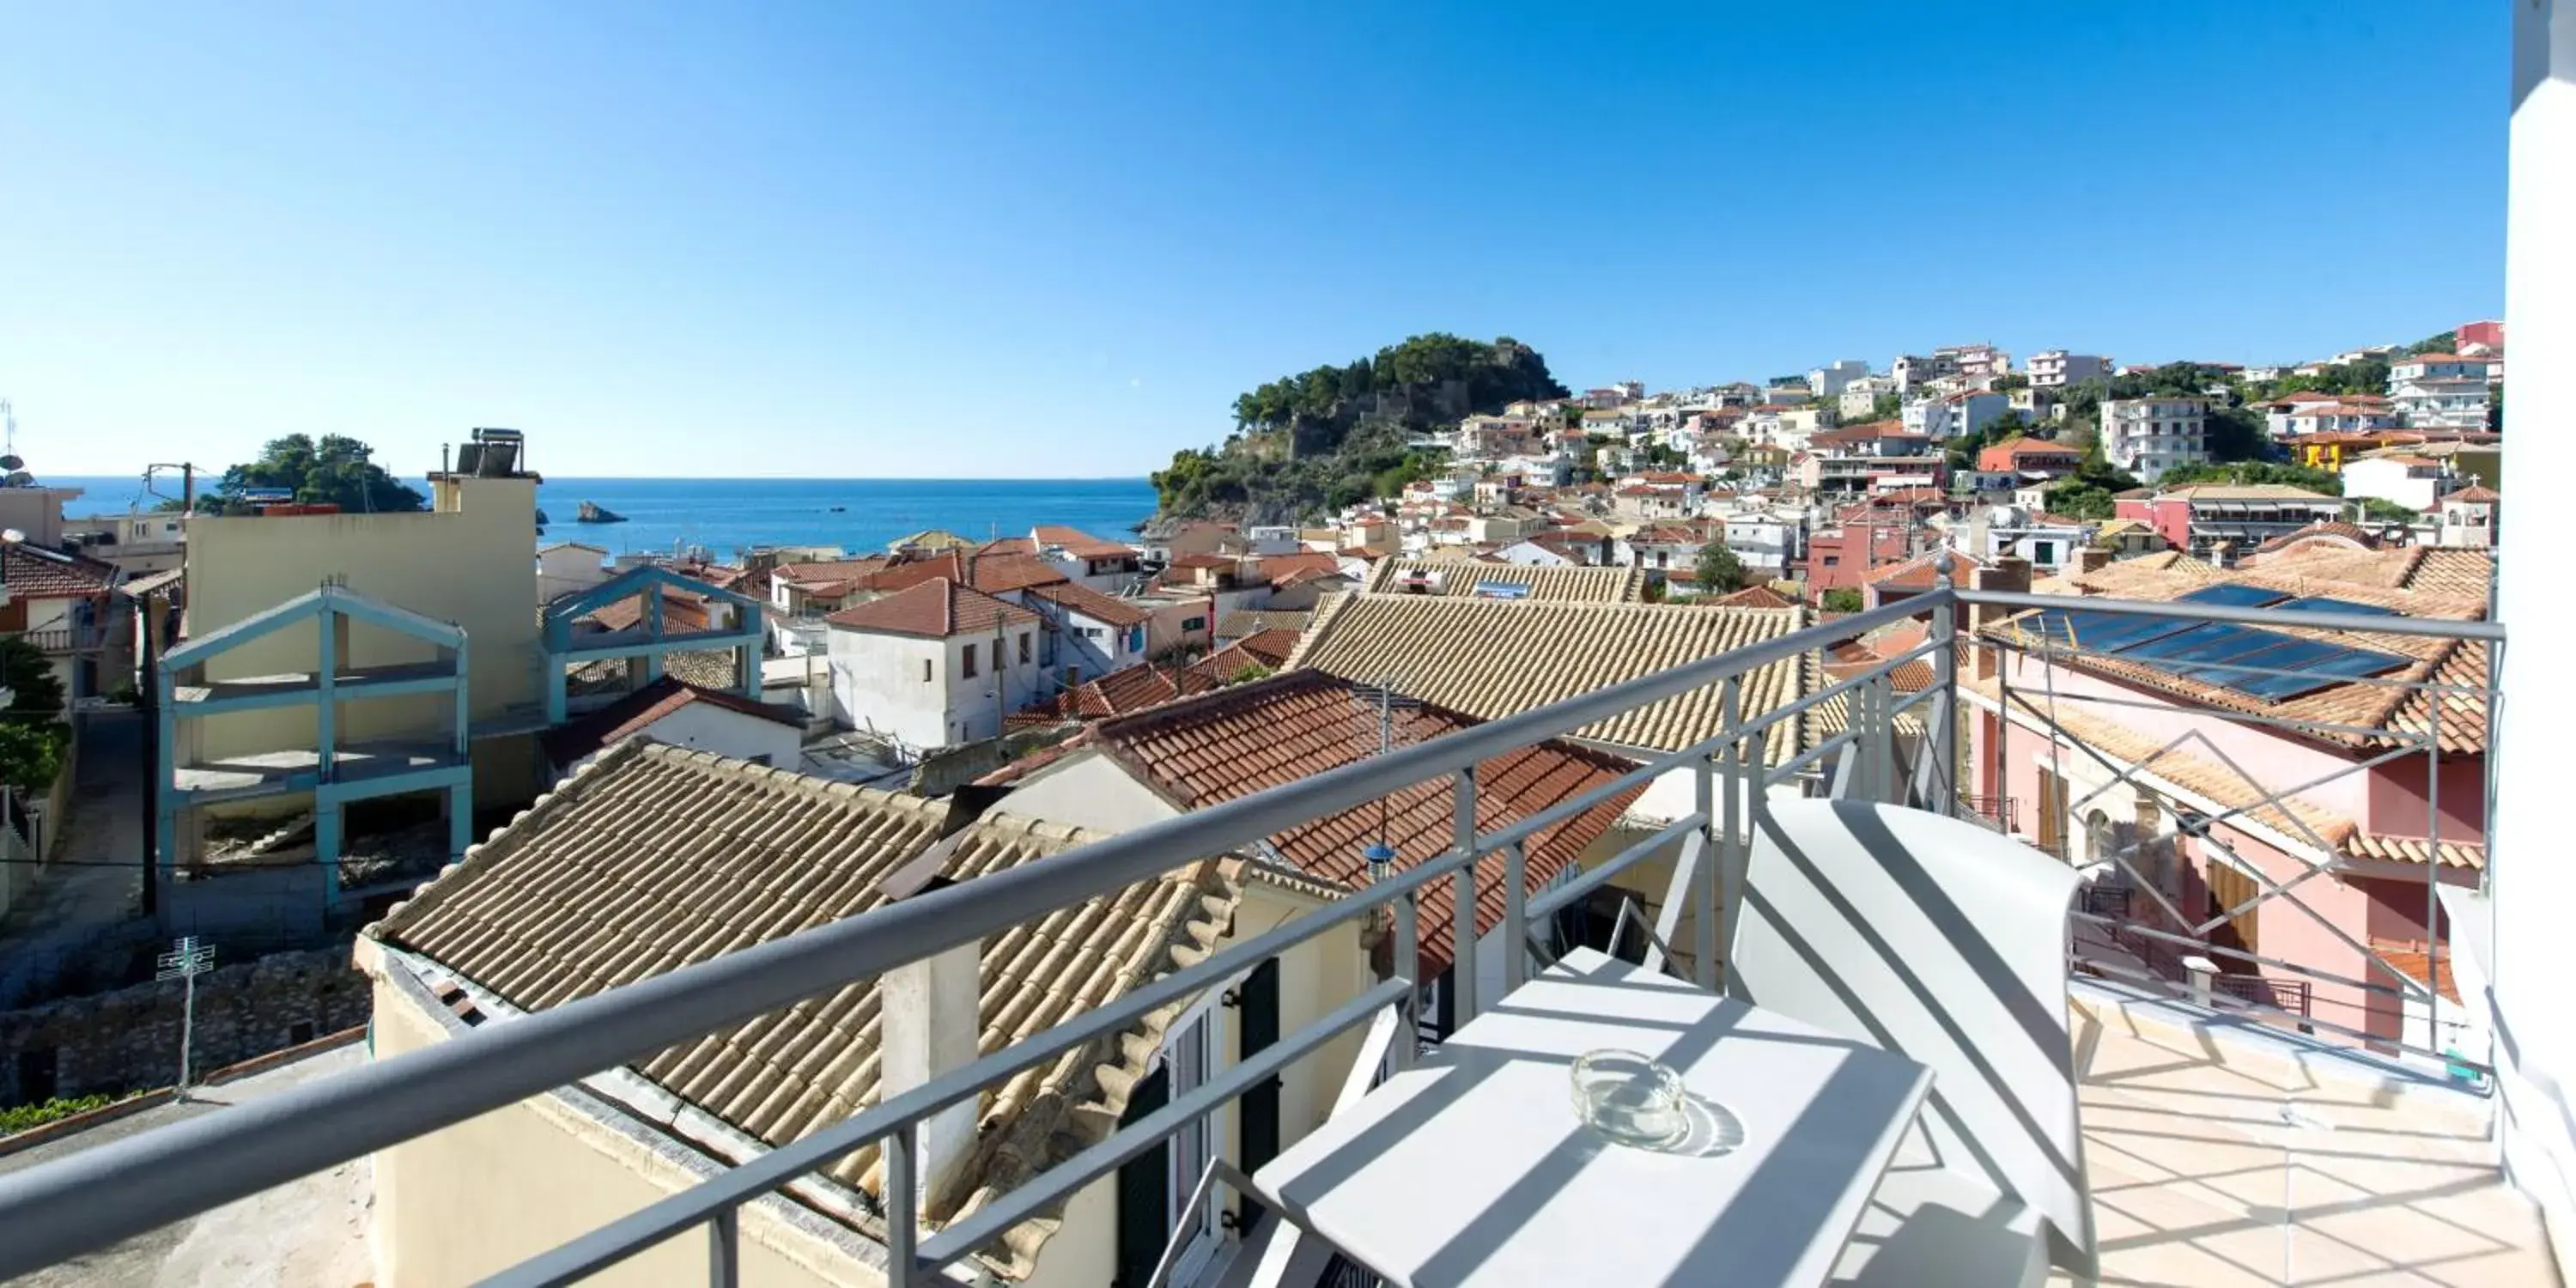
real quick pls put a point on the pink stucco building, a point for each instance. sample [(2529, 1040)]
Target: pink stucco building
[(2355, 794)]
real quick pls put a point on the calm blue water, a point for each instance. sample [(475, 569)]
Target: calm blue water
[(725, 515)]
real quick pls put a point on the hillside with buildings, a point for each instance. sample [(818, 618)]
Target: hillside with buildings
[(1322, 439)]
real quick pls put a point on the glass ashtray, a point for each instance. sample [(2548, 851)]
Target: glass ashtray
[(1631, 1099)]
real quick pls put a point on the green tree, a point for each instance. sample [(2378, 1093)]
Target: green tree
[(26, 672), (336, 470), (1718, 570), (2379, 509), (2244, 473), (2435, 343), (31, 753), (2236, 434), (1845, 600), (1887, 407)]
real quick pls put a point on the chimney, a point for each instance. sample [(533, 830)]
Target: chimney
[(2006, 573), (2092, 559), (928, 1022)]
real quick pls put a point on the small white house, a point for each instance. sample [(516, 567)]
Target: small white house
[(936, 665), (1089, 634), (682, 715), (2411, 481), (567, 566)]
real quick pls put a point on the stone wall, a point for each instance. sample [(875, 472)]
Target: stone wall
[(129, 1039)]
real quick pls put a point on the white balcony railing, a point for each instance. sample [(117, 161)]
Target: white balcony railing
[(88, 1200)]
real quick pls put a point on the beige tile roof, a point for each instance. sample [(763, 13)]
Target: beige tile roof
[(1492, 658), (1565, 585), (654, 858)]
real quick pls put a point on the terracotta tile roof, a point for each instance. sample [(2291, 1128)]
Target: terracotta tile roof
[(1753, 597), (31, 572), (708, 668), (1562, 585), (934, 609), (1081, 544), (1205, 561), (1007, 546), (1240, 740), (1000, 574), (2336, 534), (653, 858), (1241, 622), (1277, 569), (1494, 658), (1121, 692), (1082, 599), (2474, 494), (837, 570), (679, 613), (639, 710), (1268, 650), (1922, 572), (2411, 960)]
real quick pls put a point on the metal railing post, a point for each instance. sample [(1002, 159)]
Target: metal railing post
[(1515, 916), (1944, 742), (1405, 962), (2432, 887), (724, 1242), (1713, 887), (902, 1214), (1462, 965)]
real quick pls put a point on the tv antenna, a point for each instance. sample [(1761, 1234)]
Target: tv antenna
[(1385, 698)]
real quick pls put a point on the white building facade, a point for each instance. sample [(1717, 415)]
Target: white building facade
[(2148, 436)]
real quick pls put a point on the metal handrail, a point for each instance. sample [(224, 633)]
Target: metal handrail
[(53, 1213)]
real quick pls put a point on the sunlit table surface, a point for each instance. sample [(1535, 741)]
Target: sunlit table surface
[(1474, 1167)]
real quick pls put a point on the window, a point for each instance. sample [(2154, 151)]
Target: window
[(925, 670), (968, 662), (1024, 648), (1193, 623)]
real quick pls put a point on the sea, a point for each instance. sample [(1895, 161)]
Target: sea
[(726, 515)]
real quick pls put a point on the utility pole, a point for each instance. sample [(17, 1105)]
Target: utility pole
[(148, 705), (186, 960)]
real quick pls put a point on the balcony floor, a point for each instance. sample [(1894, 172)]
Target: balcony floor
[(2183, 1143)]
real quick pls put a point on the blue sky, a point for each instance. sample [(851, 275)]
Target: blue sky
[(962, 239)]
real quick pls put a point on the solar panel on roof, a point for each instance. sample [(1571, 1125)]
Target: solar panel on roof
[(2177, 646), (2329, 604), (2233, 595), (2113, 632), (2285, 653)]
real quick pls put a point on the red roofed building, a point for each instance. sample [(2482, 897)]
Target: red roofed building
[(1235, 741), (60, 603), (2030, 457), (935, 665)]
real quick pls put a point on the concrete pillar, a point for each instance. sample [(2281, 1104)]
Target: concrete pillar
[(930, 1022), (2529, 889)]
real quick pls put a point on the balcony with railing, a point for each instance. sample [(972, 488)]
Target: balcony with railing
[(69, 639), (2163, 1161)]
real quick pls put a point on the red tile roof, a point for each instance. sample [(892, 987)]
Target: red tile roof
[(678, 613), (640, 710), (1278, 569), (1082, 599), (1268, 650), (32, 572), (1240, 740), (998, 574), (935, 609), (1204, 561), (1081, 544)]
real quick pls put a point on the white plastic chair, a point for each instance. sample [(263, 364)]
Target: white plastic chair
[(1946, 943)]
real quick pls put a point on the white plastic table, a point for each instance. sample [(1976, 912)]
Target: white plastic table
[(1473, 1167)]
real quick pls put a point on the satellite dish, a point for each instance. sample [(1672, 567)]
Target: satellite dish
[(11, 462), (12, 536), (18, 478)]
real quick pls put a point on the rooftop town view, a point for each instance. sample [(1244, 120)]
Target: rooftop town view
[(1952, 816)]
